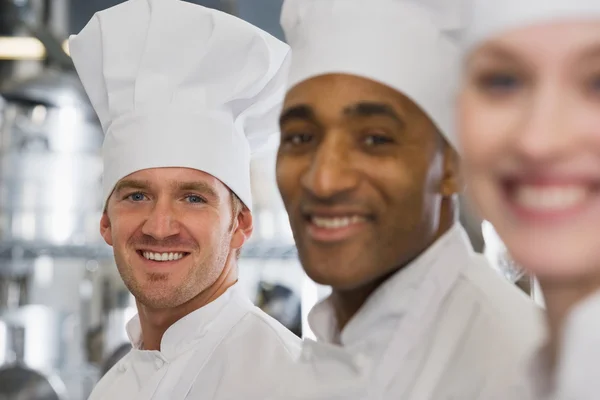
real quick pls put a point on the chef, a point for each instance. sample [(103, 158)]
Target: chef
[(184, 93), (542, 59), (369, 176)]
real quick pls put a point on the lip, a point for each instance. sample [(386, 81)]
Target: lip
[(334, 235), (333, 212), (161, 264), (156, 250), (590, 205)]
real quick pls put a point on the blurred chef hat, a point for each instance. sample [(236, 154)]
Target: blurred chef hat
[(179, 85), (487, 18), (407, 45)]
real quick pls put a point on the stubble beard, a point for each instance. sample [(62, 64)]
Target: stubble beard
[(156, 290)]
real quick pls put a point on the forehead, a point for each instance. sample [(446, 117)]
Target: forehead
[(545, 45), (173, 178), (334, 93)]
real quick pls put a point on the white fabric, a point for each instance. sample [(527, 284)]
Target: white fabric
[(486, 19), (577, 374), (445, 327), (403, 44), (225, 361), (179, 85)]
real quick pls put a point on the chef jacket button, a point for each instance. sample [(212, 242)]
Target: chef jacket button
[(159, 363)]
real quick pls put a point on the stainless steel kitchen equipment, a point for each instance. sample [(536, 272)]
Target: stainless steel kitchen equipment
[(50, 185)]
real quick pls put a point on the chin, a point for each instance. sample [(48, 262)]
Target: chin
[(336, 277), (566, 261)]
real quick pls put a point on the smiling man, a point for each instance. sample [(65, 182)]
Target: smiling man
[(369, 176), (182, 92)]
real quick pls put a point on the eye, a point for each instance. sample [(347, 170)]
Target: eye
[(297, 139), (136, 197), (377, 139), (194, 198), (499, 82), (594, 85)]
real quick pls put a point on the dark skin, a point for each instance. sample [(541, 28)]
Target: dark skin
[(354, 148)]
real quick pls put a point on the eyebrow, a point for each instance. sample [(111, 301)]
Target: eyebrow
[(373, 109), (361, 109), (202, 187), (301, 111), (494, 53), (131, 184)]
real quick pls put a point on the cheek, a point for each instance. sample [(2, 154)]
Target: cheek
[(206, 227), (484, 138), (588, 118), (483, 132), (288, 173), (123, 228)]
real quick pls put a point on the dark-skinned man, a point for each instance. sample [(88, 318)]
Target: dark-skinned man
[(369, 176)]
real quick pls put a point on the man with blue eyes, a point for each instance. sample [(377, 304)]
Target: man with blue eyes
[(369, 175), (182, 93)]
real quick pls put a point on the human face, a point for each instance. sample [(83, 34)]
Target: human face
[(361, 172), (529, 116), (181, 214)]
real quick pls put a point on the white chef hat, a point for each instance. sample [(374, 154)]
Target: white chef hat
[(487, 18), (179, 85), (404, 44)]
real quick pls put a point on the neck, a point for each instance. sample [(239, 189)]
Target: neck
[(561, 298), (346, 303), (155, 322)]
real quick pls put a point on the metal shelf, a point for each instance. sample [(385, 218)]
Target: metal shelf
[(259, 249)]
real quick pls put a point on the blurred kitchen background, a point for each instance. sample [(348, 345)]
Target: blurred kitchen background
[(63, 307)]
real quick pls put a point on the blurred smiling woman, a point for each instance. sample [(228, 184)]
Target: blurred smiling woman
[(529, 121)]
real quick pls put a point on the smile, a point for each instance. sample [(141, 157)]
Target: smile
[(550, 200), (336, 222), (161, 257), (334, 228)]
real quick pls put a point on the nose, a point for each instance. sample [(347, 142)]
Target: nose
[(331, 171), (544, 132), (162, 221)]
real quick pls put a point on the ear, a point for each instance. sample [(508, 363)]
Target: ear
[(105, 229), (242, 228), (451, 180)]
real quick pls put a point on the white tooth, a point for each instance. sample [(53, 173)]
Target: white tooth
[(171, 256), (336, 223), (550, 198)]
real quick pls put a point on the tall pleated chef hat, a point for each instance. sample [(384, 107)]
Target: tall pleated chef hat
[(175, 84), (407, 45), (486, 18)]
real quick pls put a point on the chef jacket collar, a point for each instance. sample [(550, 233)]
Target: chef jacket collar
[(392, 300), (184, 333)]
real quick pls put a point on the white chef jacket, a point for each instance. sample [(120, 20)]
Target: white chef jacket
[(446, 327), (578, 372), (577, 375), (227, 349)]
